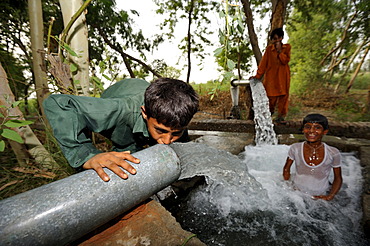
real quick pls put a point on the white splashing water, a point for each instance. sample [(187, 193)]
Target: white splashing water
[(258, 207), (265, 133), (247, 202)]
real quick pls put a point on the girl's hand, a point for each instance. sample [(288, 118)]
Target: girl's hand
[(326, 198), (286, 174)]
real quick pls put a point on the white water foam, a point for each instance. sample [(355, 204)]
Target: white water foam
[(247, 202), (257, 207), (265, 133)]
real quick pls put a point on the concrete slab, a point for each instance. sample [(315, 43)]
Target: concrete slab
[(148, 224)]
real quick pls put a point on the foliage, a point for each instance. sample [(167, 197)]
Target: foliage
[(234, 50), (105, 23), (307, 51), (165, 70), (362, 81), (15, 42), (103, 71), (16, 178), (351, 107), (101, 15), (336, 30), (15, 71), (176, 10), (29, 107), (10, 122), (206, 88), (14, 51)]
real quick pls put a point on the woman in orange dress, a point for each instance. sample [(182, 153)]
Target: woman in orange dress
[(274, 66)]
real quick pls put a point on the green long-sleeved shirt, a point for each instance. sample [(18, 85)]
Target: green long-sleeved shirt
[(116, 115)]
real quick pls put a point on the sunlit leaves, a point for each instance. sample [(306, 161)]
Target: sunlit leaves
[(66, 47), (73, 67), (2, 145), (9, 121), (17, 123), (11, 134), (218, 51), (230, 64)]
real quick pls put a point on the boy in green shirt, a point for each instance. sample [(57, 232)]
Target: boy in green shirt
[(132, 113)]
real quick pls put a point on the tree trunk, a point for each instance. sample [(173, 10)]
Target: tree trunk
[(252, 34), (278, 12), (367, 107), (343, 38), (32, 147), (37, 46), (357, 69), (349, 63), (354, 55), (189, 39), (77, 39)]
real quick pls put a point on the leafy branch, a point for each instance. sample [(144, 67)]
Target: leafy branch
[(11, 122), (231, 33)]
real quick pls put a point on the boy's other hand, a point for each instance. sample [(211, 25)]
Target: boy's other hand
[(113, 161)]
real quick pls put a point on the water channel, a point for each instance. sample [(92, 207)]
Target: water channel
[(245, 201)]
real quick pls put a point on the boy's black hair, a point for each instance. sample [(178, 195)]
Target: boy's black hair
[(278, 31), (316, 118), (171, 102)]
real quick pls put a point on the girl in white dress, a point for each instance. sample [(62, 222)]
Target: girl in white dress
[(314, 160)]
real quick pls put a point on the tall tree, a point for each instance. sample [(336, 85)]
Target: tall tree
[(357, 70), (336, 37), (78, 41), (251, 30), (195, 12), (234, 46), (278, 13), (278, 10), (13, 30), (109, 27), (37, 45)]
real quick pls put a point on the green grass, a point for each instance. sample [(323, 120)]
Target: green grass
[(206, 88), (352, 107)]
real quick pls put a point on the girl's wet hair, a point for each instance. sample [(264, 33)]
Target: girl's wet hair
[(171, 102), (316, 118)]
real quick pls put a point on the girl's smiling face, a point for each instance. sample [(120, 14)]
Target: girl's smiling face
[(313, 132)]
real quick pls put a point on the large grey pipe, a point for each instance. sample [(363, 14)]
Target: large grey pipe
[(65, 210)]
